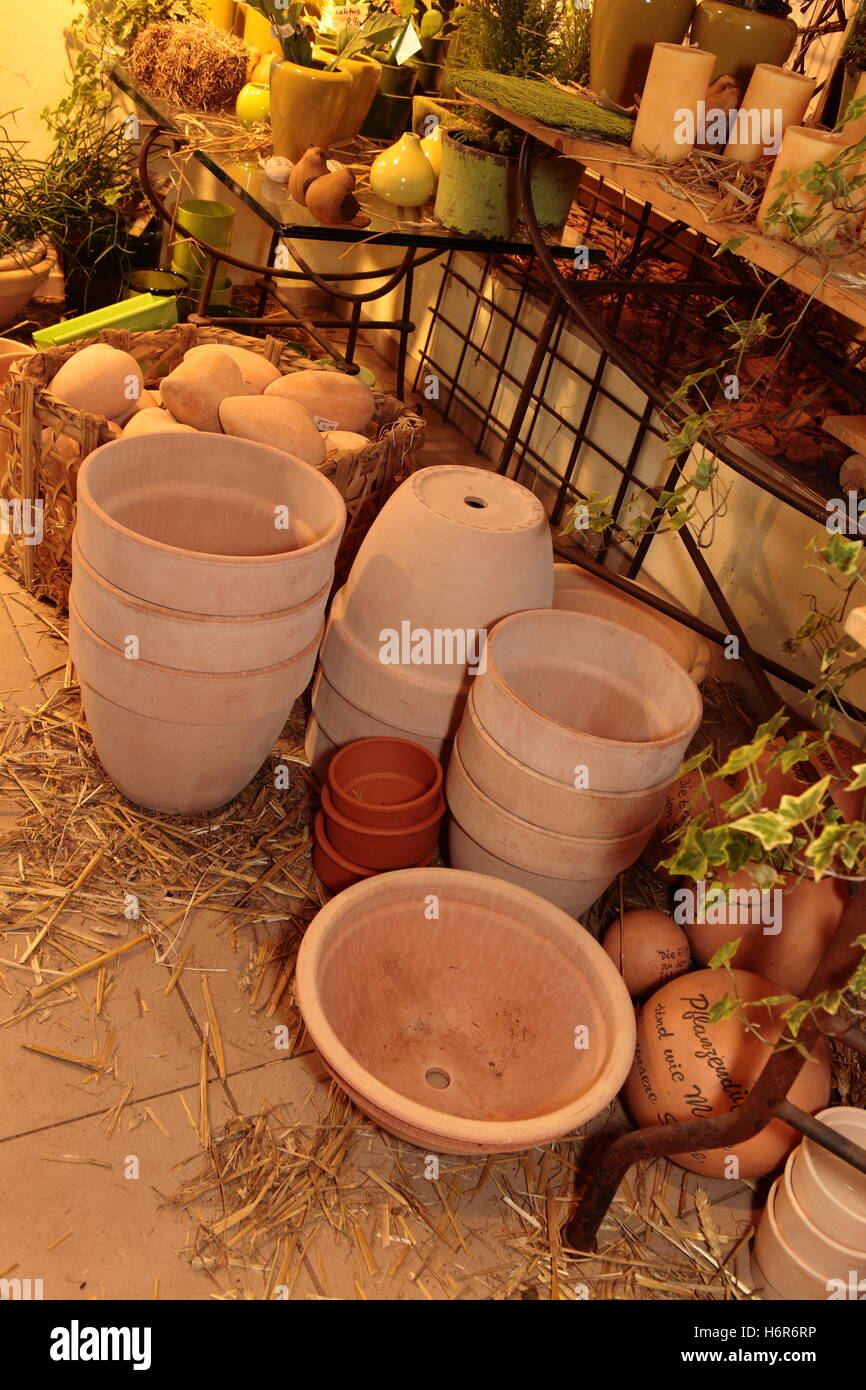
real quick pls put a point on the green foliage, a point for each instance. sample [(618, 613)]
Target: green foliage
[(376, 29), (295, 36), (854, 50)]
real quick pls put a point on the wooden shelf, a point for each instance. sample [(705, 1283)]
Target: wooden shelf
[(813, 275)]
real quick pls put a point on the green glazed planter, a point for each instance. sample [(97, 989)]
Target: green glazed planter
[(398, 80), (554, 183), (741, 38), (388, 117), (477, 192), (621, 42)]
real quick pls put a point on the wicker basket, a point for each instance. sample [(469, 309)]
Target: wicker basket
[(46, 440)]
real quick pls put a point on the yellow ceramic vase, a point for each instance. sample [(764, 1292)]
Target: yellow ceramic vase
[(432, 146), (307, 107), (220, 13), (257, 32), (403, 174), (366, 76)]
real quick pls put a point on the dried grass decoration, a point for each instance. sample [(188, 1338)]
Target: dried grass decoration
[(193, 64)]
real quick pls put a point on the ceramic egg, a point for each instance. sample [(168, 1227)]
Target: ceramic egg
[(836, 760), (687, 1068), (647, 948), (778, 783)]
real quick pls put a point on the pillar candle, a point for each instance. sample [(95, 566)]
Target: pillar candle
[(775, 98), (855, 130), (801, 147), (677, 81)]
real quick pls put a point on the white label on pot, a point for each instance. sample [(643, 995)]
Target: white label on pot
[(409, 45), (326, 424)]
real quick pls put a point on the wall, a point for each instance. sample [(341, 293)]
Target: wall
[(33, 65)]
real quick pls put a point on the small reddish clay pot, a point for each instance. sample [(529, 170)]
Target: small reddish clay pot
[(336, 872), (397, 848), (385, 782)]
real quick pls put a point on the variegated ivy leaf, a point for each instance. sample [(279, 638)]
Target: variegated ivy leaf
[(842, 554), (725, 954), (793, 752), (793, 810), (823, 851), (859, 770), (797, 1014), (692, 763), (766, 826), (715, 841), (690, 859), (723, 1009), (746, 800), (851, 848)]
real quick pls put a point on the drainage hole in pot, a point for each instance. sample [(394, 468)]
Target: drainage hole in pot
[(474, 501), (438, 1079)]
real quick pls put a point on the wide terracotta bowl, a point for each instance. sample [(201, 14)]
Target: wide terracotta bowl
[(446, 1004), (545, 802), (573, 895), (581, 592), (570, 695), (208, 523), (192, 641), (834, 1258), (385, 782), (789, 1276), (453, 547), (381, 847), (829, 1190), (343, 722)]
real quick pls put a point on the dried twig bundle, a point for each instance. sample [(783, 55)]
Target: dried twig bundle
[(193, 64)]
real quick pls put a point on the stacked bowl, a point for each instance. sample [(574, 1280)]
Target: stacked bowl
[(567, 746), (201, 570), (382, 805), (453, 550), (811, 1240)]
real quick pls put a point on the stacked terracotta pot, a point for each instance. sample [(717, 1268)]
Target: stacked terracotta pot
[(568, 743), (201, 570), (382, 805), (454, 550), (811, 1240)]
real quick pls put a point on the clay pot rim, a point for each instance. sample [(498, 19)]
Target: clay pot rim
[(418, 883), (114, 653), (833, 1194), (395, 671), (580, 842), (217, 441), (789, 1253), (320, 834), (184, 615), (566, 883), (612, 798), (377, 808), (451, 470), (411, 734), (848, 1251), (385, 832), (611, 630)]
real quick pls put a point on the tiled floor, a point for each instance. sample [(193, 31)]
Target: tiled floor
[(90, 1158)]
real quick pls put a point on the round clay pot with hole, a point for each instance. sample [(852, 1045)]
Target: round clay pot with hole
[(532, 847), (336, 872), (385, 782), (458, 1033), (453, 548), (565, 692), (830, 1192), (789, 1276), (832, 1258), (192, 641), (216, 524), (579, 591), (342, 722), (545, 802), (392, 847), (573, 895)]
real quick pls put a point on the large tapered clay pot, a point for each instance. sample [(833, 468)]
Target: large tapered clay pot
[(572, 810), (832, 1255), (778, 1270), (181, 740), (454, 547), (830, 1192), (573, 695), (212, 525), (518, 841), (581, 592), (342, 722), (573, 895), (192, 641), (385, 782), (457, 1033)]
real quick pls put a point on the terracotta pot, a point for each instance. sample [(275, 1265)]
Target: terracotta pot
[(790, 1277), (336, 872), (829, 1257), (192, 641), (830, 1192), (453, 548), (573, 895), (159, 520), (395, 847), (782, 938), (21, 275), (541, 800), (582, 592), (319, 749), (343, 722), (565, 691), (532, 847), (408, 1014), (423, 699), (385, 782)]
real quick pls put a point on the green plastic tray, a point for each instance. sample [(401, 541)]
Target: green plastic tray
[(143, 311)]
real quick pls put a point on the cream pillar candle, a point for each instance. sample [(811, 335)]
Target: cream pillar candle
[(855, 130), (666, 123), (801, 148), (775, 98)]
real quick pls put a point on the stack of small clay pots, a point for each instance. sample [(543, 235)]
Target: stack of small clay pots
[(382, 805), (567, 746), (453, 550), (201, 571), (811, 1239)]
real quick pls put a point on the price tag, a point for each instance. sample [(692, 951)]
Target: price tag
[(284, 31), (409, 45), (349, 16), (325, 425)]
